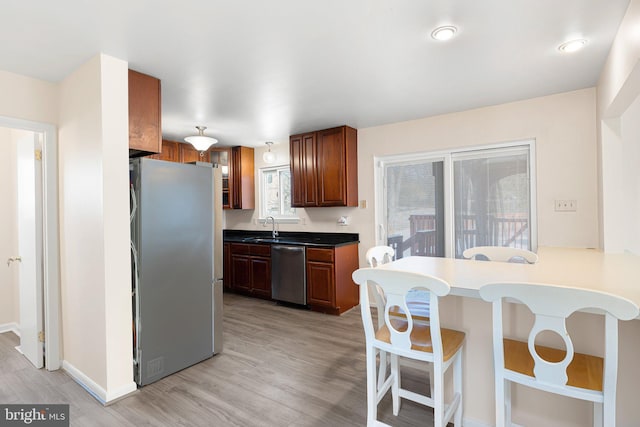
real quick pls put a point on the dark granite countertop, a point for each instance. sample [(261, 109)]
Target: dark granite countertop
[(290, 238)]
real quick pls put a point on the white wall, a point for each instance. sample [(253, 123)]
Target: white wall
[(8, 224), (617, 117), (621, 64), (630, 126), (94, 208), (618, 121), (563, 126)]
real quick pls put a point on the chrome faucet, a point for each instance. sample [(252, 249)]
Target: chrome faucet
[(274, 232)]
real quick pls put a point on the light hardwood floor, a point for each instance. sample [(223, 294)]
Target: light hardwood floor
[(280, 366)]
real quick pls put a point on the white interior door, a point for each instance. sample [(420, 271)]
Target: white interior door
[(29, 271)]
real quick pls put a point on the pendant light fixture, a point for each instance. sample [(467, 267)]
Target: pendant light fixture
[(268, 156), (201, 142)]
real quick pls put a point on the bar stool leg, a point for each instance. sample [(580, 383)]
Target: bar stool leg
[(500, 402), (396, 384)]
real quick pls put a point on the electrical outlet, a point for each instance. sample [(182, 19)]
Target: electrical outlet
[(363, 204), (566, 205)]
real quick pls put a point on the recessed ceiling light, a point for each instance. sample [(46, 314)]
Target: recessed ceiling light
[(444, 33), (572, 45)]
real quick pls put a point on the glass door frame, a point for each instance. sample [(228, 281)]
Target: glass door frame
[(380, 193)]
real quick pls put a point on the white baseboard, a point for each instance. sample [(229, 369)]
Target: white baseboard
[(100, 394), (467, 422), (10, 327)]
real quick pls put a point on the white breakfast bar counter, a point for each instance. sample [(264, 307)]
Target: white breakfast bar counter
[(618, 274)]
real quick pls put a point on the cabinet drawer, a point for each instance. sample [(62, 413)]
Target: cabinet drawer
[(320, 254), (261, 250), (251, 249), (240, 248)]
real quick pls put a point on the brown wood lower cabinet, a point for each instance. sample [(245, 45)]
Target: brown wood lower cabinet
[(330, 288), (249, 267)]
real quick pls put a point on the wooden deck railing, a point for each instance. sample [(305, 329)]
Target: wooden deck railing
[(422, 241)]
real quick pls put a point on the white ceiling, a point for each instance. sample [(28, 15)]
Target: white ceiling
[(256, 71)]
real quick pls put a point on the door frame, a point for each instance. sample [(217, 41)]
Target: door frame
[(50, 235)]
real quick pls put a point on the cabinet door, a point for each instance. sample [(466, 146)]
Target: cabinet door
[(222, 158), (320, 284), (241, 176), (261, 277), (296, 163), (304, 182), (331, 167), (310, 147), (170, 151), (241, 272), (226, 269), (144, 113), (190, 154)]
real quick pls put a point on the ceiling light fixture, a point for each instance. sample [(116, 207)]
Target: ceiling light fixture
[(444, 33), (572, 45), (201, 142), (268, 156)]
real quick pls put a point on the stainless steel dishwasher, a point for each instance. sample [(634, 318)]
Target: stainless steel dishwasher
[(288, 275)]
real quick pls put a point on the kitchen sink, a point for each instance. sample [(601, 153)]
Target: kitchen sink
[(261, 240), (283, 239)]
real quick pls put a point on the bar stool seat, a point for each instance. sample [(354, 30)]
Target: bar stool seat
[(584, 371), (564, 372)]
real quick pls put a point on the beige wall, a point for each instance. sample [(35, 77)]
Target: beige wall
[(8, 224), (28, 99), (563, 126), (115, 213), (94, 207)]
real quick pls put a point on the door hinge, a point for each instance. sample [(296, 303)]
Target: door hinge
[(41, 336), (38, 154)]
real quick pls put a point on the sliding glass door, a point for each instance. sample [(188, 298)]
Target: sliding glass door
[(441, 204), (491, 198), (414, 208)]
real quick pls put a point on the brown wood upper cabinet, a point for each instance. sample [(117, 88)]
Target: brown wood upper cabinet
[(145, 129), (190, 154), (221, 156), (174, 151), (241, 178), (324, 168)]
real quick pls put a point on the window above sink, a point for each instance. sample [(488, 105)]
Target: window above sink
[(275, 195)]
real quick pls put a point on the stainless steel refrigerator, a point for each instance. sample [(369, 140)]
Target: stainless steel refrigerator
[(172, 241)]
